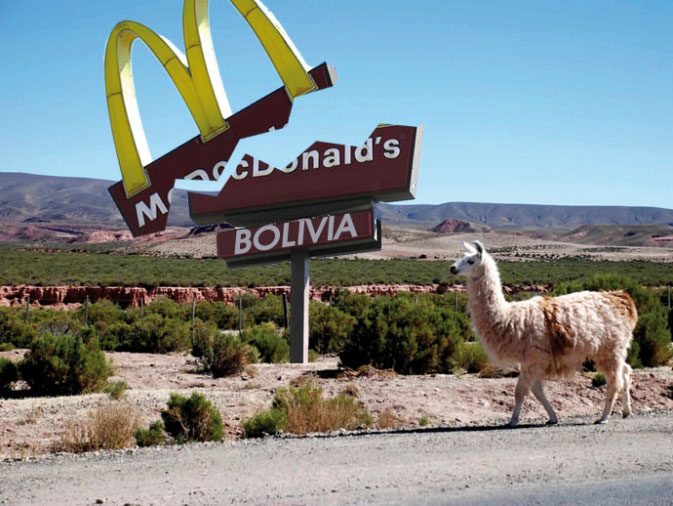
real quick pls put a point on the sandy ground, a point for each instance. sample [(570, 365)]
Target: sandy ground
[(32, 426), (411, 243)]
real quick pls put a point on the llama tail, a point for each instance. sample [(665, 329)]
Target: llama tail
[(625, 305)]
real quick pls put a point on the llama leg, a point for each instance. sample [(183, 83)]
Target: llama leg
[(538, 392), (615, 384), (520, 393), (626, 374)]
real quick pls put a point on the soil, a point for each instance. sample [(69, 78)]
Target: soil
[(32, 426)]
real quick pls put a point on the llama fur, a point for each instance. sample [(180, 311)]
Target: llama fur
[(549, 337)]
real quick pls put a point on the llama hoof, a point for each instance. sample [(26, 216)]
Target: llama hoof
[(626, 414), (552, 422), (600, 421)]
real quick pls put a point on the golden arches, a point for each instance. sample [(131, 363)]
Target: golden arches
[(196, 77)]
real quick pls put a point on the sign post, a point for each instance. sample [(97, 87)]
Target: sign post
[(320, 204), (299, 298)]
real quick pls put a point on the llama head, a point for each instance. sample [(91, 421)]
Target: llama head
[(474, 255)]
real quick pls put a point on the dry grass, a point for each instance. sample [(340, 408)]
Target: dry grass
[(33, 415), (111, 426), (389, 420), (352, 389), (308, 411)]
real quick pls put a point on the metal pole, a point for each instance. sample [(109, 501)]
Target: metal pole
[(28, 308), (299, 292), (286, 318), (142, 308)]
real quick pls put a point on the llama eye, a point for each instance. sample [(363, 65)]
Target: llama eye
[(470, 262)]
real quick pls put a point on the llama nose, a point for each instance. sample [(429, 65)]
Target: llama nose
[(454, 270)]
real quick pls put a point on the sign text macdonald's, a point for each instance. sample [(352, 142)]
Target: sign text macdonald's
[(326, 175), (305, 234)]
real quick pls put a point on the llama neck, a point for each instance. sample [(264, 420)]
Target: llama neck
[(487, 303)]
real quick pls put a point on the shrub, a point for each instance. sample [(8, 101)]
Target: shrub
[(9, 373), (265, 423), (156, 334), (653, 338), (64, 365), (116, 389), (272, 348), (408, 334), (14, 329), (202, 338), (110, 427), (220, 314), (228, 355), (329, 327), (192, 418), (168, 309), (598, 380), (471, 357), (308, 411), (150, 437)]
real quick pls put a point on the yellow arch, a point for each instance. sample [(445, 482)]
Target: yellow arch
[(196, 77)]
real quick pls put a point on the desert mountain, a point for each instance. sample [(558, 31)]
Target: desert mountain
[(50, 201)]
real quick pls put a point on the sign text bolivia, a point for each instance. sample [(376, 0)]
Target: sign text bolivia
[(320, 236)]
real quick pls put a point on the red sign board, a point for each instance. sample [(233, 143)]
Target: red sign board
[(322, 235), (324, 178), (147, 211)]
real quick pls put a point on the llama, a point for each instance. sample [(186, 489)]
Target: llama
[(549, 336)]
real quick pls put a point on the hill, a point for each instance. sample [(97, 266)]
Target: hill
[(34, 207)]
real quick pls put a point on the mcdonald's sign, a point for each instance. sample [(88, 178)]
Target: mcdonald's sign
[(144, 194)]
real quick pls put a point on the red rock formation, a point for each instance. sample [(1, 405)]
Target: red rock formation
[(454, 227), (68, 297)]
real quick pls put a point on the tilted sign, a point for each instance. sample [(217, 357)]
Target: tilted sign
[(328, 235), (324, 178), (319, 204), (144, 194)]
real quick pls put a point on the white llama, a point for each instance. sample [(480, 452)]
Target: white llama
[(549, 337)]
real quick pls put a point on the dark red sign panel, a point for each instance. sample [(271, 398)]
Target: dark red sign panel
[(147, 211), (322, 235), (324, 178)]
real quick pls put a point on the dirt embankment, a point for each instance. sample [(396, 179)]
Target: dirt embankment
[(34, 425), (67, 297)]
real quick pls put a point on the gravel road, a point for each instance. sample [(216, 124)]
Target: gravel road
[(625, 462)]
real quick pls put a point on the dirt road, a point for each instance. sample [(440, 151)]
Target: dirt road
[(625, 462)]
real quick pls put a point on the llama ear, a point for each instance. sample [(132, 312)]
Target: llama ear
[(479, 247), (469, 248)]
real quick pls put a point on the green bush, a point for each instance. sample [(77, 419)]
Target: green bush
[(14, 329), (116, 389), (9, 373), (202, 340), (262, 310), (329, 328), (471, 357), (168, 309), (192, 418), (265, 423), (301, 410), (220, 314), (228, 355), (272, 348), (408, 334), (64, 365), (152, 436), (598, 380), (156, 334)]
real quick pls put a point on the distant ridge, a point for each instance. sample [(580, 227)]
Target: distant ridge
[(34, 199), (523, 216)]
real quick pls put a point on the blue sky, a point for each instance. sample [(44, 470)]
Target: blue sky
[(521, 101)]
